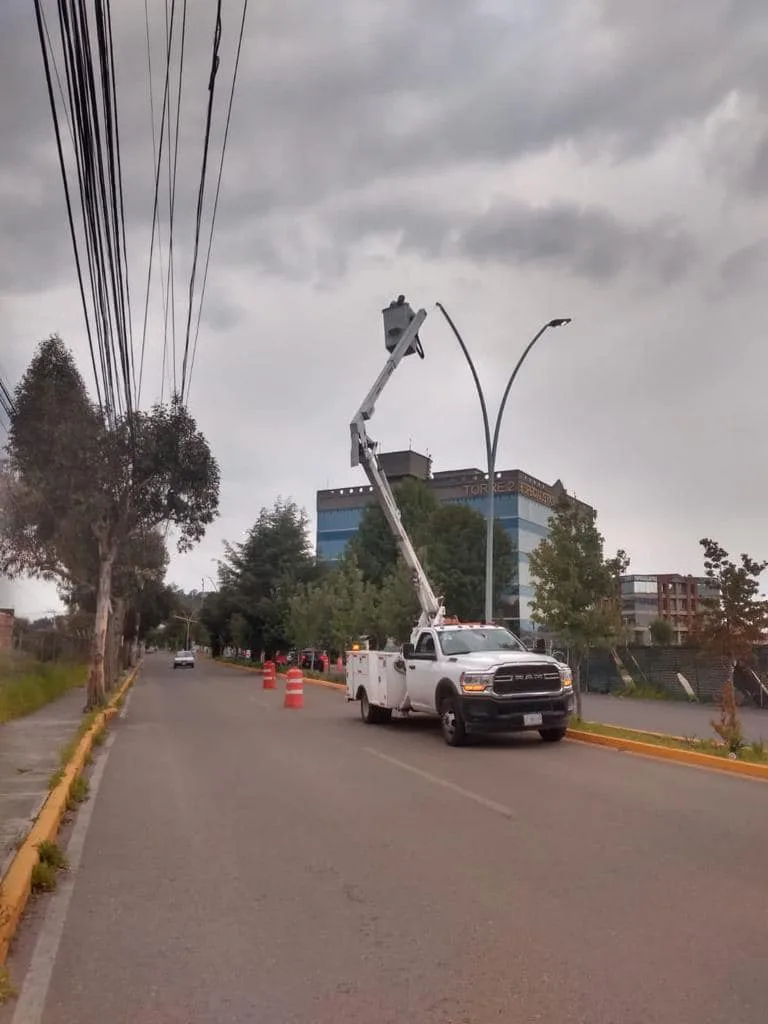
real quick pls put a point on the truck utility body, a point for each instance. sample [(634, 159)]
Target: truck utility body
[(475, 677)]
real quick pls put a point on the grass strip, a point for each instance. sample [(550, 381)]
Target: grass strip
[(753, 753), (26, 685)]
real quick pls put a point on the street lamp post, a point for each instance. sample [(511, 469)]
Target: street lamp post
[(492, 441)]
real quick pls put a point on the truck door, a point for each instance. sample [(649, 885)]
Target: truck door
[(420, 672)]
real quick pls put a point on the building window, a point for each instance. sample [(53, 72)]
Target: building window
[(639, 585)]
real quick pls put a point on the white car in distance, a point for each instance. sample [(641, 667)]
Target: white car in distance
[(184, 659)]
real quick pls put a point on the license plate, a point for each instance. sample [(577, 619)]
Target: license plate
[(533, 719)]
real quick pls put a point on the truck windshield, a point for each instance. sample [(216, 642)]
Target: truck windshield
[(469, 641)]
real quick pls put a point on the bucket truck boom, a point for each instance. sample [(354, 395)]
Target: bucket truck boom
[(364, 452)]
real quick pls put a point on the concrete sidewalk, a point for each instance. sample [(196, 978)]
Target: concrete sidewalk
[(29, 754), (673, 716)]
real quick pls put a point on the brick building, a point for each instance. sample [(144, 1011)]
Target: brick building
[(670, 596), (6, 628)]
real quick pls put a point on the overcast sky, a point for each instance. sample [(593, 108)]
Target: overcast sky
[(606, 161)]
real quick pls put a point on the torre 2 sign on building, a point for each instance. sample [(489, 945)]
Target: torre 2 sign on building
[(523, 506), (523, 484)]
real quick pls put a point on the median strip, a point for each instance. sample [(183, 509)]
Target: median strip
[(16, 884), (671, 748)]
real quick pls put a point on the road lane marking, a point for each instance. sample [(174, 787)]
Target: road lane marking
[(484, 801), (34, 990)]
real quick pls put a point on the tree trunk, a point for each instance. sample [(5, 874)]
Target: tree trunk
[(577, 686), (115, 660), (96, 688), (136, 645)]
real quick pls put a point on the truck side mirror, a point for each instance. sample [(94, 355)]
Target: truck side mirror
[(408, 650)]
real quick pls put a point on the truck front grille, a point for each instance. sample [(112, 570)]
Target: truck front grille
[(542, 678)]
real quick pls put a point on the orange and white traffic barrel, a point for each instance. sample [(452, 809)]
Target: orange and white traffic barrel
[(269, 677), (294, 689)]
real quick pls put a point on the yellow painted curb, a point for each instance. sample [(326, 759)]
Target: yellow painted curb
[(234, 664), (638, 732), (16, 884), (326, 683), (745, 769)]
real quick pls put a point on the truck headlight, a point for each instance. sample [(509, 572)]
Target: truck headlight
[(566, 677), (476, 682)]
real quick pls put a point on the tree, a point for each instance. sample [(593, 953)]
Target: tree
[(351, 604), (456, 560), (83, 488), (239, 630), (735, 622), (375, 547), (576, 588), (139, 600), (662, 632), (309, 617), (450, 541), (263, 573), (397, 607), (335, 611), (216, 615), (731, 625)]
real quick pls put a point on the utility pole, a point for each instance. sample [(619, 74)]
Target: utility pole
[(189, 619)]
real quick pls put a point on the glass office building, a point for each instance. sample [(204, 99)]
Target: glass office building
[(523, 506)]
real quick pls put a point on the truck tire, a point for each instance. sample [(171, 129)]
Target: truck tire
[(372, 714), (553, 735), (452, 723)]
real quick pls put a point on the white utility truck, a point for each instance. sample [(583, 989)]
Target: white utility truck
[(475, 677)]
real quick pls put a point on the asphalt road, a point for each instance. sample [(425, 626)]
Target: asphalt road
[(676, 717), (243, 863)]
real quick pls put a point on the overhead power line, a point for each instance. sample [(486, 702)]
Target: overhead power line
[(80, 73), (201, 189), (158, 166), (99, 233), (218, 190)]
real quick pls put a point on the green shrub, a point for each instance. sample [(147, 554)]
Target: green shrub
[(51, 853), (43, 877)]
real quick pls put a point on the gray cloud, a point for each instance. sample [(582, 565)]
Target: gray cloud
[(586, 241), (747, 266), (589, 242), (755, 175), (353, 123), (333, 99)]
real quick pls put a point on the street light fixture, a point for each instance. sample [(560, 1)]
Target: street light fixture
[(492, 440)]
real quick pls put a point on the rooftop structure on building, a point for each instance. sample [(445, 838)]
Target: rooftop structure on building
[(523, 506)]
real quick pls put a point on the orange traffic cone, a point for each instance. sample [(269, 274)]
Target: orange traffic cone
[(270, 682), (294, 689)]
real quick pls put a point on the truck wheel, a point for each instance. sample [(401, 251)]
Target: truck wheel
[(370, 713), (553, 735), (452, 723)]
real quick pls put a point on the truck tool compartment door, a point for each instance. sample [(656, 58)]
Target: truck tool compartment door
[(421, 670)]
